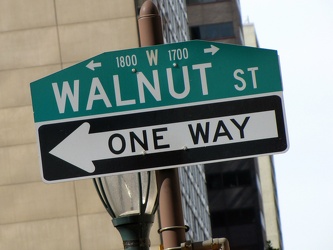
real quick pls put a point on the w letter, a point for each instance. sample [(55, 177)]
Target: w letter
[(152, 57), (65, 94)]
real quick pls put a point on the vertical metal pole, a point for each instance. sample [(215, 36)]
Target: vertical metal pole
[(171, 213), (150, 26)]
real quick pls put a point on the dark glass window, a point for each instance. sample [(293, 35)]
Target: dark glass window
[(228, 180), (241, 216), (236, 179), (214, 181), (214, 31), (218, 219), (233, 217), (244, 178)]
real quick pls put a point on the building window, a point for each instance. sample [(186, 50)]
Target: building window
[(236, 179), (233, 217), (214, 31), (214, 181), (218, 219), (218, 181), (241, 216)]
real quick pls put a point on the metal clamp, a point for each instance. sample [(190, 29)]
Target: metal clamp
[(172, 228), (212, 244)]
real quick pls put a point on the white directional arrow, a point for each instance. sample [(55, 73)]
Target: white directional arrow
[(92, 65), (81, 148), (213, 49)]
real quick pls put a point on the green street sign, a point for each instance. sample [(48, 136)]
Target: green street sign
[(159, 107), (153, 77)]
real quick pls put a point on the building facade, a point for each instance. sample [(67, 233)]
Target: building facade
[(242, 194), (38, 38), (266, 172), (270, 201), (235, 202), (218, 21)]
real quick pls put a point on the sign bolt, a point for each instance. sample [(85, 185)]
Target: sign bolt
[(133, 70), (185, 148), (174, 65), (144, 152)]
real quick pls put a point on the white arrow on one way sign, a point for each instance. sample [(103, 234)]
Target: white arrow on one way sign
[(81, 148)]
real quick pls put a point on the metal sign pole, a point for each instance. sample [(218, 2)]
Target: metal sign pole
[(171, 213)]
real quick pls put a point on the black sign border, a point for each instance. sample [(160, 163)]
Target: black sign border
[(55, 169)]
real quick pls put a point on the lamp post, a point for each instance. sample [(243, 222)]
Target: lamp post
[(131, 200), (171, 213)]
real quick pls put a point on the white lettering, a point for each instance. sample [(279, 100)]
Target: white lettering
[(242, 86), (126, 61), (155, 91), (178, 54), (152, 57), (237, 77), (202, 69), (253, 73), (66, 92), (96, 85), (172, 87)]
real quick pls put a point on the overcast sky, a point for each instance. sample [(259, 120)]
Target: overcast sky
[(302, 33)]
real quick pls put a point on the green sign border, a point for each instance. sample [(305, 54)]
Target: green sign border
[(253, 71)]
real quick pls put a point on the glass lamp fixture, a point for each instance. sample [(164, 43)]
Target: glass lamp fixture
[(131, 200)]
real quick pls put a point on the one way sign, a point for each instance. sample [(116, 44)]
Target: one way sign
[(159, 107)]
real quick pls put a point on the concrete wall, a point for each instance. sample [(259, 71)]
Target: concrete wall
[(37, 38), (217, 12), (250, 37), (270, 201)]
